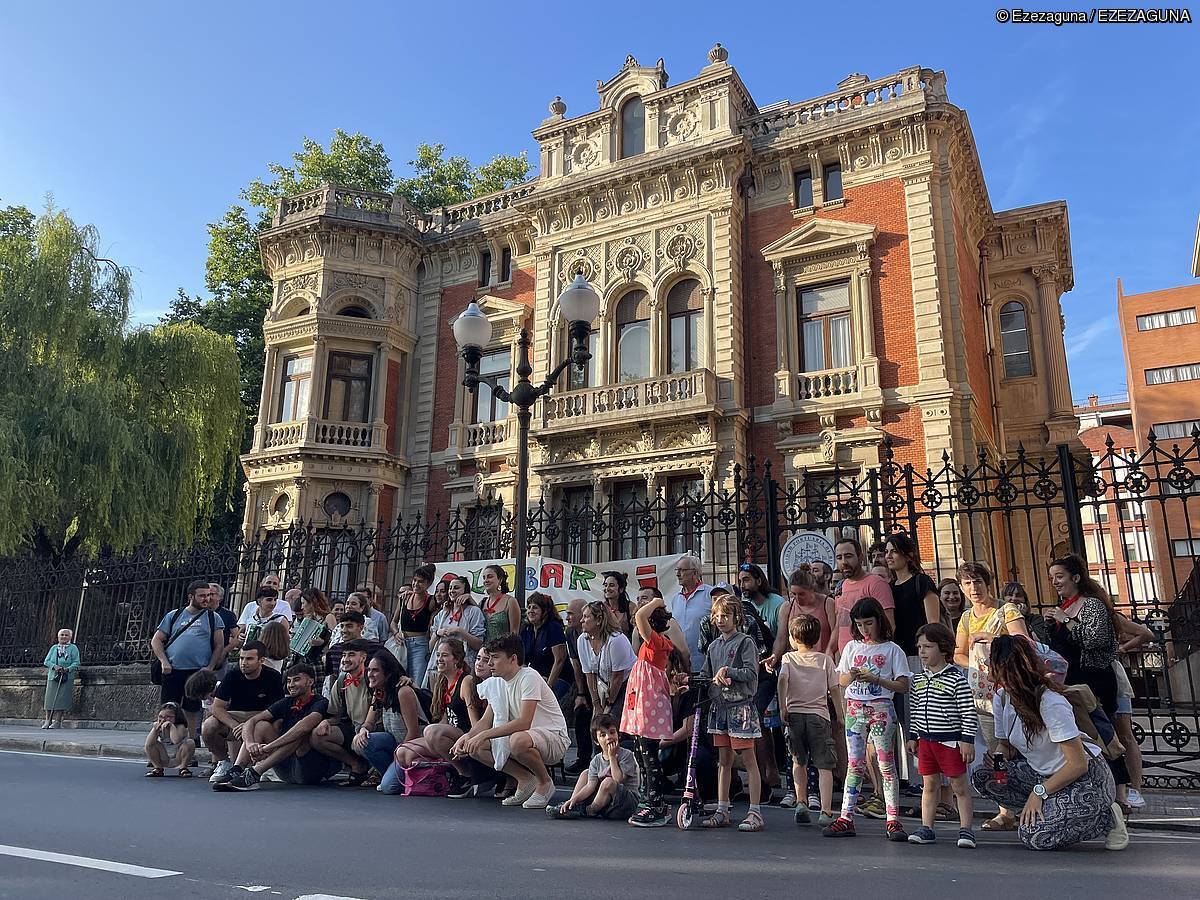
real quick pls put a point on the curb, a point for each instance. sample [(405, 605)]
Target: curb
[(1189, 827), (77, 748)]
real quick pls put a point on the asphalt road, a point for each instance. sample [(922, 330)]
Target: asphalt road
[(332, 842)]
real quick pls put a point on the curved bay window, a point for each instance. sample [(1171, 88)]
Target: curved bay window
[(494, 371), (1014, 340), (633, 128), (348, 388), (633, 336), (685, 309), (825, 341), (293, 398)]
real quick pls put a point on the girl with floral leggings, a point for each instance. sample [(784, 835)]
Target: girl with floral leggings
[(873, 670)]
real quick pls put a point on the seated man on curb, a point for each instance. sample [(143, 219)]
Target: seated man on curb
[(246, 690), (278, 738), (349, 703), (349, 628), (523, 729)]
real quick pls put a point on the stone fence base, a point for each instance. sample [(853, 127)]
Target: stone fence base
[(102, 693)]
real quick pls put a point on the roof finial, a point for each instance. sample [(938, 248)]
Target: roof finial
[(717, 54), (557, 108), (630, 62)]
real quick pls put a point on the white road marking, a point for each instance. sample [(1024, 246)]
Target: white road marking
[(254, 888), (324, 897), (120, 759), (86, 862)]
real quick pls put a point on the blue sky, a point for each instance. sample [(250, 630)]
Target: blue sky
[(146, 119)]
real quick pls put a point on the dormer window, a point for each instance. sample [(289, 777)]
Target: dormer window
[(633, 128)]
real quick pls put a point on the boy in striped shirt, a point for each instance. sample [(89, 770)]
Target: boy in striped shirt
[(943, 722)]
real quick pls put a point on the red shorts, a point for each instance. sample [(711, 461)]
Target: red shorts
[(934, 758), (734, 743)]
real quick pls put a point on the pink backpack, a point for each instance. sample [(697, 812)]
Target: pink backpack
[(426, 779)]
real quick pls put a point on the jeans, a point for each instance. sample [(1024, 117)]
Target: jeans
[(418, 658), (380, 752)]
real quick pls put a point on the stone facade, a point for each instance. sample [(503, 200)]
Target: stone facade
[(688, 194)]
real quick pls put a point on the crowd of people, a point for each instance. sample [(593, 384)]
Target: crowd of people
[(866, 676)]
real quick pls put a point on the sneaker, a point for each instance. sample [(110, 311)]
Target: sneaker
[(895, 831), (519, 796), (460, 787), (910, 790), (826, 819), (839, 827), (923, 835), (485, 790), (222, 769), (539, 801), (1135, 799), (562, 811), (1118, 835), (222, 783), (966, 839), (873, 808), (788, 801), (246, 781), (802, 816), (650, 817)]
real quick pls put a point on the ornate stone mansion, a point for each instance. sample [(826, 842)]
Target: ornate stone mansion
[(795, 280)]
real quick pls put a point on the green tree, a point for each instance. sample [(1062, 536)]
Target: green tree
[(108, 436), (241, 290)]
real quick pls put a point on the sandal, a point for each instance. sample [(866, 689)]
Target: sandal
[(946, 813), (356, 778), (154, 773), (719, 819), (752, 822), (1000, 822), (185, 772)]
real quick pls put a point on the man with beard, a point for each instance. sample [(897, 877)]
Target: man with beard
[(857, 583), (247, 690), (349, 702)]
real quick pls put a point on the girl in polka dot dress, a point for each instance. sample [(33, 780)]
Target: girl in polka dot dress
[(647, 714)]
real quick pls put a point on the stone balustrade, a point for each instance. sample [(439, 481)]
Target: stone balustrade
[(482, 206), (485, 434), (678, 394), (829, 383), (325, 433), (348, 203)]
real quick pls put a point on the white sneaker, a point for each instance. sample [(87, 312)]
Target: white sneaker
[(539, 801), (814, 803), (1135, 799), (220, 771), (519, 798), (788, 801), (1118, 836)]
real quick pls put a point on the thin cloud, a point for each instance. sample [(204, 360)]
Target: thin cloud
[(1078, 343)]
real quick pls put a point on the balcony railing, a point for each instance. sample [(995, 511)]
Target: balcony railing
[(829, 383), (679, 394), (325, 433), (348, 203), (485, 434)]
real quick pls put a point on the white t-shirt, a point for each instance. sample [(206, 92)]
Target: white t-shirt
[(1042, 752), (615, 656), (250, 613), (886, 660), (527, 684)]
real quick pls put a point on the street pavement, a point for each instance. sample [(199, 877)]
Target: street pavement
[(126, 837)]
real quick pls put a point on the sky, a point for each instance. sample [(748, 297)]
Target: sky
[(146, 119)]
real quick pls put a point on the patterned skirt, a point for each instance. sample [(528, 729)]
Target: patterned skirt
[(647, 703)]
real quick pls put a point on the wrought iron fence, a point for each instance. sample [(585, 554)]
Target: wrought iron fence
[(1131, 515)]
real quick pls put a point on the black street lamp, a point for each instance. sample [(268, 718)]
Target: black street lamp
[(579, 305)]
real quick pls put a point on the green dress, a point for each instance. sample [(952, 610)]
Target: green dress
[(496, 624), (59, 693)]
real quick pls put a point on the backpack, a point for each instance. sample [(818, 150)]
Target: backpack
[(426, 779)]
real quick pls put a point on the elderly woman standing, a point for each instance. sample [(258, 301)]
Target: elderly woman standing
[(63, 662)]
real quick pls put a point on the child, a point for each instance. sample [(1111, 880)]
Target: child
[(731, 661), (808, 684), (168, 744), (942, 716), (873, 670), (647, 713), (610, 782), (276, 636)]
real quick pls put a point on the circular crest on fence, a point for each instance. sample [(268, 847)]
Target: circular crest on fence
[(853, 508), (893, 503), (1093, 487), (931, 498), (726, 517), (1181, 478), (1006, 492), (1137, 482), (822, 510), (805, 547), (968, 495), (1045, 489), (1176, 735)]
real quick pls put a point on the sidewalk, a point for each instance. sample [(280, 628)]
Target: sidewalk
[(1165, 810)]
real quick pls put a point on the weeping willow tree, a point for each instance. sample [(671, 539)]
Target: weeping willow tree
[(109, 436)]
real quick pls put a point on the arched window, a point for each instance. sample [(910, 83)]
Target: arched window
[(633, 336), (685, 307), (336, 504), (633, 128), (1014, 340)]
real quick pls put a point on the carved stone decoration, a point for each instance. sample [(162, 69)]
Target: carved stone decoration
[(828, 446), (365, 284), (452, 468), (646, 442), (680, 247), (582, 260), (718, 54), (558, 108), (584, 155), (628, 256), (299, 283)]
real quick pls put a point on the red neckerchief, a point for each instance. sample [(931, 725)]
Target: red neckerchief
[(488, 610), (686, 596), (449, 692), (1064, 602), (353, 680), (303, 702), (456, 614)]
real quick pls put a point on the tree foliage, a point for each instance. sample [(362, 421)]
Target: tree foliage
[(108, 436), (239, 287)]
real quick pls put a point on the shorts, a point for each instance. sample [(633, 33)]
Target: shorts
[(810, 740), (550, 745), (733, 724), (311, 768), (935, 758), (171, 689), (624, 803), (987, 730), (348, 731), (1124, 706), (238, 715)]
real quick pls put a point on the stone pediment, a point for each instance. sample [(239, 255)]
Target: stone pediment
[(818, 236), (632, 79)]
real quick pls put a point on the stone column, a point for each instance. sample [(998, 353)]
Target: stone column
[(785, 337), (266, 403), (866, 314), (316, 389), (1058, 381)]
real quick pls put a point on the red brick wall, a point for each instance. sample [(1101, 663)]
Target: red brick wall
[(974, 337)]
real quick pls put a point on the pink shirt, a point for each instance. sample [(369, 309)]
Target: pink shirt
[(853, 591)]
